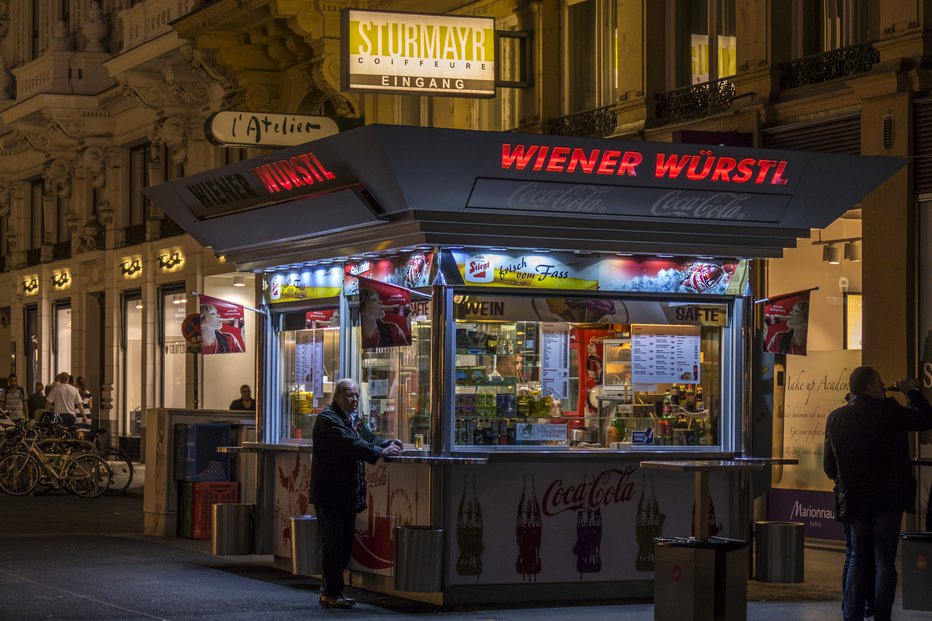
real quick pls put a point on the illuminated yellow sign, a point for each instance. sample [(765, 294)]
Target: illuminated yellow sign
[(418, 53), (61, 279), (131, 267), (171, 260), (31, 284)]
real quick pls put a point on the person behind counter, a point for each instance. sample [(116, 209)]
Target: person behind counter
[(342, 442), (245, 401), (867, 455)]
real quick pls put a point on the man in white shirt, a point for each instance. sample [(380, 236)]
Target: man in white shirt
[(65, 399)]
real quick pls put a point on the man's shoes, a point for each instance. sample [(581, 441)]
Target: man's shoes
[(329, 601)]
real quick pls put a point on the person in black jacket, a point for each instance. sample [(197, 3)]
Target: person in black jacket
[(341, 443), (867, 455)]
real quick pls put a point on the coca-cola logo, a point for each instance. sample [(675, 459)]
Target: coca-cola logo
[(545, 197), (609, 487), (376, 477), (715, 206)]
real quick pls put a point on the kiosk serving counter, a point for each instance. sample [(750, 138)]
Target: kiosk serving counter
[(567, 309)]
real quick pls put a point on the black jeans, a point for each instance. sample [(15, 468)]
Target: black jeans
[(336, 529)]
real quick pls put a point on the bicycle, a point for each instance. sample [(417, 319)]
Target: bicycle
[(84, 473)]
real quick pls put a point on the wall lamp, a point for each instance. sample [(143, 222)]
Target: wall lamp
[(170, 261), (832, 249), (131, 267), (61, 279), (31, 285)]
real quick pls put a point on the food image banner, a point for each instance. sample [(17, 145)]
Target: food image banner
[(575, 272), (405, 270), (304, 284), (222, 326)]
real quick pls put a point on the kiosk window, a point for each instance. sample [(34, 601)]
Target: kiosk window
[(311, 365)]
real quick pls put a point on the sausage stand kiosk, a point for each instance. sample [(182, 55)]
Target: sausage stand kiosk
[(586, 308)]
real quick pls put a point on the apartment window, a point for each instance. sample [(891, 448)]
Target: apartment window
[(36, 214), (138, 179), (705, 39), (591, 51), (831, 24), (62, 207)]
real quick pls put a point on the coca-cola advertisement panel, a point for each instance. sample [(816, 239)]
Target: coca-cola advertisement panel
[(559, 523)]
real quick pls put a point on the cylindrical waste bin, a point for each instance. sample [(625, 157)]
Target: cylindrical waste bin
[(779, 550), (418, 559), (917, 571), (305, 547), (231, 529)]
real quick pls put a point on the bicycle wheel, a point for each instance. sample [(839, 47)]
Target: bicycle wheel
[(88, 475), (19, 474), (121, 471)]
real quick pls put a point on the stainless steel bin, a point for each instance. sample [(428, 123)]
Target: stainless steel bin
[(779, 551), (305, 546), (418, 559), (231, 529)]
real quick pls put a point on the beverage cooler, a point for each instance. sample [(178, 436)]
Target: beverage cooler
[(533, 316)]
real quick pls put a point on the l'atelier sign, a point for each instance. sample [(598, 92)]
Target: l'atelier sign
[(233, 128), (605, 200)]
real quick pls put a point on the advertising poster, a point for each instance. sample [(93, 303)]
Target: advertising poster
[(587, 344), (549, 522), (384, 314), (305, 284), (787, 320), (222, 326), (673, 275), (322, 319), (291, 497), (410, 271), (394, 498)]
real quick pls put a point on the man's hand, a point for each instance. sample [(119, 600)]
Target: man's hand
[(398, 442), (905, 385), (392, 450)]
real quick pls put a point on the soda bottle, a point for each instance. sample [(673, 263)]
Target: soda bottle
[(667, 404), (648, 524), (528, 533), (469, 532), (700, 404), (714, 528), (675, 397)]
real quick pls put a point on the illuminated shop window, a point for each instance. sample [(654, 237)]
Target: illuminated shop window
[(590, 43)]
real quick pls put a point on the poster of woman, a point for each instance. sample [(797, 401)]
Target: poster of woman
[(222, 326), (787, 321), (384, 314)]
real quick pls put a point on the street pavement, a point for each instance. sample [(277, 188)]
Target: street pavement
[(63, 557)]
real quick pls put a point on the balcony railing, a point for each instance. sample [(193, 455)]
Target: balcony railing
[(150, 19), (135, 234), (594, 123), (831, 65), (168, 228), (61, 250), (33, 256), (694, 101)]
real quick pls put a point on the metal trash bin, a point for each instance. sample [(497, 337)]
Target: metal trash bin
[(305, 546), (779, 551), (700, 580), (231, 529), (418, 559), (917, 570)]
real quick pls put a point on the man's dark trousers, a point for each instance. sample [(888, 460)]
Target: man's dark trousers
[(336, 532)]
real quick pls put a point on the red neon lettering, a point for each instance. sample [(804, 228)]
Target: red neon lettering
[(541, 156), (310, 166), (283, 179), (609, 162), (299, 168), (327, 174), (672, 166), (579, 158), (519, 158), (778, 175), (765, 166), (745, 171), (262, 173), (722, 168), (557, 159), (629, 162), (292, 174)]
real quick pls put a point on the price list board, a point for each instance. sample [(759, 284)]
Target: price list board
[(665, 354)]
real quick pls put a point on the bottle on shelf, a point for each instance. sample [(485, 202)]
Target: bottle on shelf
[(700, 404), (667, 404)]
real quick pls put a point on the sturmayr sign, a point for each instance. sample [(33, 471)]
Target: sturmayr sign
[(418, 53)]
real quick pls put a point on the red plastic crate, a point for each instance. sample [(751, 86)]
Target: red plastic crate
[(204, 496)]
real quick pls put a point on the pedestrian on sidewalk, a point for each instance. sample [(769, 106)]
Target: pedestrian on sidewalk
[(14, 399), (342, 442), (65, 400), (867, 455)]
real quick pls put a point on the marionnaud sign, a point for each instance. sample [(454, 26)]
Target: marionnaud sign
[(234, 128), (418, 53)]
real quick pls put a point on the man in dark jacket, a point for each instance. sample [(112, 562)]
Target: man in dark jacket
[(867, 455), (342, 442)]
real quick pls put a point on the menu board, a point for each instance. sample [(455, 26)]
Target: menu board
[(665, 354), (554, 359), (308, 362)]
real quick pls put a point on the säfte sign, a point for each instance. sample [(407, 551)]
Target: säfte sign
[(234, 128), (418, 53)]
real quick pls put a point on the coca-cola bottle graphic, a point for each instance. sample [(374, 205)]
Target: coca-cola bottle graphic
[(648, 524), (528, 533), (588, 538), (469, 532), (714, 528)]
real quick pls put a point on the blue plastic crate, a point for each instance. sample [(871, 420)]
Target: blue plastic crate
[(196, 456)]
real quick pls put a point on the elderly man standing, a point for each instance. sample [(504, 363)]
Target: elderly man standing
[(342, 443), (867, 455)]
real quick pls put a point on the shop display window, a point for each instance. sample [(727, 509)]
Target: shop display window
[(311, 366), (616, 374)]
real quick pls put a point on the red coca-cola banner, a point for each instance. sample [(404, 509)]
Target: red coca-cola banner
[(787, 323), (384, 314), (222, 326)]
